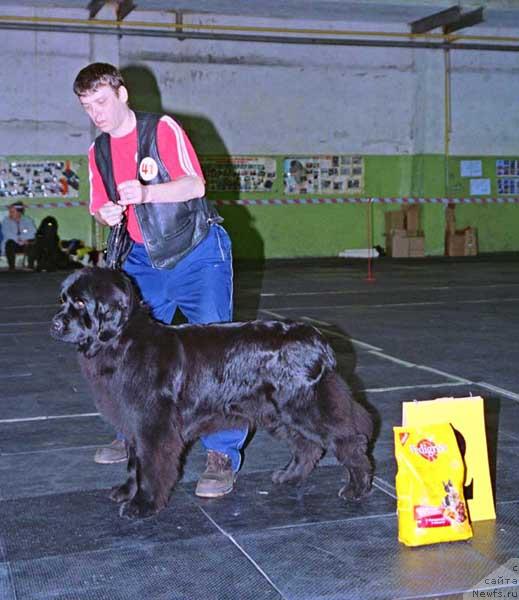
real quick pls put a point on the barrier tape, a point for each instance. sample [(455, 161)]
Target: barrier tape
[(300, 201), (395, 200), (65, 204)]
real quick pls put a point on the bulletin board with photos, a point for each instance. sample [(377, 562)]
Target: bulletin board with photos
[(334, 174), (507, 176), (39, 178), (239, 173)]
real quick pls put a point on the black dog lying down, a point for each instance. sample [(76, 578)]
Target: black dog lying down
[(164, 387)]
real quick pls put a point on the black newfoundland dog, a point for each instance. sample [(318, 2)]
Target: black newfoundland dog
[(164, 387)]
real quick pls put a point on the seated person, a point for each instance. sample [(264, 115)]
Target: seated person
[(19, 232)]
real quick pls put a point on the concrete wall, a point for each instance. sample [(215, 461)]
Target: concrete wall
[(250, 98)]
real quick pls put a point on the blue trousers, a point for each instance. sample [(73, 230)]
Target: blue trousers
[(200, 286)]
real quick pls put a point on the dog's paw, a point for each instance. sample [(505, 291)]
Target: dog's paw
[(137, 510), (121, 493), (285, 476), (355, 492)]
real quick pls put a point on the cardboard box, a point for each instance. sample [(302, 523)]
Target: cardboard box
[(455, 244), (398, 246), (416, 246), (394, 220), (471, 242), (450, 218), (462, 243), (412, 219), (403, 235)]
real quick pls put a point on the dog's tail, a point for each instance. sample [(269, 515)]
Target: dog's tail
[(342, 410)]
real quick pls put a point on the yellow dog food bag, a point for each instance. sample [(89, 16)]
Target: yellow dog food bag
[(429, 486)]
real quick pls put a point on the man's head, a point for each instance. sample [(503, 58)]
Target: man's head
[(102, 93), (16, 211), (95, 75)]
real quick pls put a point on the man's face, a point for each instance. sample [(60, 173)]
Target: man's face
[(106, 107), (14, 214)]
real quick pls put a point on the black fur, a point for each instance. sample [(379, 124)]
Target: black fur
[(47, 248), (164, 387)]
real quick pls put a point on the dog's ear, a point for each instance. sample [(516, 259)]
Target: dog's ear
[(113, 300), (114, 313), (109, 320)]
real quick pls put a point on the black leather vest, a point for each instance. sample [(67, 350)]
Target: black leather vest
[(172, 229)]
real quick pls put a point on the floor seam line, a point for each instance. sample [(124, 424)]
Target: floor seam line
[(334, 522), (243, 551)]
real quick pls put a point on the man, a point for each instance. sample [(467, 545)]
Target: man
[(143, 169), (18, 235)]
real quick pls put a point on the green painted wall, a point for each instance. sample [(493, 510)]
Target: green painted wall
[(325, 230)]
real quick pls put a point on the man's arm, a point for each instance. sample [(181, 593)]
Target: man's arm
[(9, 230), (28, 229), (182, 164), (180, 190), (101, 207)]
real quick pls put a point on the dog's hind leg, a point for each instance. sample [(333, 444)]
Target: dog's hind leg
[(351, 452), (126, 491), (305, 455), (350, 429), (157, 470)]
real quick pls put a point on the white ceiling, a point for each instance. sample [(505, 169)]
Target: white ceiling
[(498, 13)]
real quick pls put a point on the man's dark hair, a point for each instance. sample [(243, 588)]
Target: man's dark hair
[(18, 206), (95, 75)]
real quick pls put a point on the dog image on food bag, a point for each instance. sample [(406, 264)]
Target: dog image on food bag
[(165, 386)]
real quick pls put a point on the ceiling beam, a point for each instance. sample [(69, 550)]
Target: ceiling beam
[(466, 20), (439, 19), (94, 7), (124, 8)]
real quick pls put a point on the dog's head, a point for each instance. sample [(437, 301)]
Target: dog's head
[(48, 230), (96, 305)]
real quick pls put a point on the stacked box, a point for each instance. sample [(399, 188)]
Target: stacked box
[(450, 218), (398, 246), (412, 219), (462, 242), (394, 220), (416, 246), (403, 235), (459, 242), (471, 241)]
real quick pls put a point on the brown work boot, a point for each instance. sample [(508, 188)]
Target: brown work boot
[(218, 477), (114, 453)]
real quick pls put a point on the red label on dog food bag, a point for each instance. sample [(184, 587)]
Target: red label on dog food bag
[(430, 516)]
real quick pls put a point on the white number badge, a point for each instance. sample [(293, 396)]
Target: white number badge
[(148, 169)]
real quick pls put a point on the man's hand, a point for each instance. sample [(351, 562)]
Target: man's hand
[(132, 192), (111, 213)]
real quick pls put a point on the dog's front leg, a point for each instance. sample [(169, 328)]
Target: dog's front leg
[(157, 469), (126, 491)]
